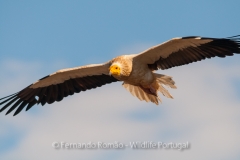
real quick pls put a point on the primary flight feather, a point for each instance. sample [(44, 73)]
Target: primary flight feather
[(136, 71)]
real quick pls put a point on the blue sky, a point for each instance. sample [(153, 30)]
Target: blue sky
[(40, 37)]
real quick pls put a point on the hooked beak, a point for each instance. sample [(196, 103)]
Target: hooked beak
[(114, 70)]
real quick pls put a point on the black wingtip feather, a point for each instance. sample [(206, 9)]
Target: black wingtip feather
[(14, 106), (24, 103), (31, 104), (8, 96), (7, 99), (8, 104), (237, 36)]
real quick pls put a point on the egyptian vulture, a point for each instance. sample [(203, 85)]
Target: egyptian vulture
[(135, 70)]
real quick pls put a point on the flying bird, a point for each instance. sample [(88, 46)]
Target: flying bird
[(135, 70)]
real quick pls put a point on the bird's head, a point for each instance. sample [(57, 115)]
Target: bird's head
[(115, 69)]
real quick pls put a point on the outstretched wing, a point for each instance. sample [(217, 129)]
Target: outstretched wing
[(185, 50), (58, 85)]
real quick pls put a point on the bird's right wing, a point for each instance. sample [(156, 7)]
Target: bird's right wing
[(58, 85), (185, 50)]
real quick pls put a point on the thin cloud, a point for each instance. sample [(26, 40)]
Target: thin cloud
[(204, 112)]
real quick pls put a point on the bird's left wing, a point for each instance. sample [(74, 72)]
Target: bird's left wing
[(58, 85), (185, 50)]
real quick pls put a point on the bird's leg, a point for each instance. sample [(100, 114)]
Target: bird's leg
[(150, 90), (153, 90)]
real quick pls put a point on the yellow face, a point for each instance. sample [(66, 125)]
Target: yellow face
[(115, 70)]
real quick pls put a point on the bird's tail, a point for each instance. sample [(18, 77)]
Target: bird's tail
[(164, 80), (161, 81), (138, 92)]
